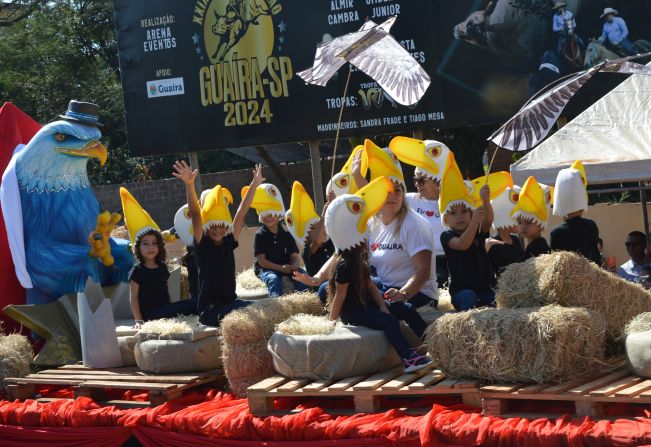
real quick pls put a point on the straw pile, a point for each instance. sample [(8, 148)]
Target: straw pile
[(641, 323), (246, 331), (544, 345), (571, 280), (15, 356), (248, 280), (177, 325), (304, 324)]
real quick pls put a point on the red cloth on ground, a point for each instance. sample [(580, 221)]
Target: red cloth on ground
[(220, 416), (63, 437)]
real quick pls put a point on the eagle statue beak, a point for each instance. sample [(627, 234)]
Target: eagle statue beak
[(414, 152), (93, 149)]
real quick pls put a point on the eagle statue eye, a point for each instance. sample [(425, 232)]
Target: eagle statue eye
[(59, 137), (514, 196), (342, 182), (435, 151), (355, 207)]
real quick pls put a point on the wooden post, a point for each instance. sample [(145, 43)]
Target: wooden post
[(194, 164), (282, 180), (317, 179), (645, 214)]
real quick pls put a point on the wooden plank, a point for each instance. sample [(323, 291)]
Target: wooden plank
[(500, 388), (120, 369), (377, 380), (532, 389), (292, 385), (493, 407), (317, 385), (603, 381), (343, 384), (267, 384), (426, 380), (645, 395), (614, 387), (128, 385), (21, 380), (366, 403), (562, 387), (404, 380), (466, 383), (634, 390), (446, 384), (86, 372), (588, 408), (117, 378), (260, 405)]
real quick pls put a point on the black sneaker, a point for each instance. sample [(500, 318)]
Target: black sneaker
[(414, 361)]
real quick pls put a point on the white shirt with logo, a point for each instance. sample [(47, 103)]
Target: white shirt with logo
[(391, 253), (429, 209)]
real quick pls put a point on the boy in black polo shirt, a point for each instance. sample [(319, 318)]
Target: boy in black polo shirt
[(275, 250), (577, 233)]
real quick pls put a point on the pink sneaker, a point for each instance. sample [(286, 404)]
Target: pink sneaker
[(414, 361)]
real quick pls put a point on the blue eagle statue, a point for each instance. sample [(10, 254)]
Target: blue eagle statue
[(66, 238)]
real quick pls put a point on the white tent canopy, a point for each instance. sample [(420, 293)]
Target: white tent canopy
[(612, 138)]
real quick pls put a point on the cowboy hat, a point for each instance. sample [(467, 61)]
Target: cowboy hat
[(559, 5), (608, 11)]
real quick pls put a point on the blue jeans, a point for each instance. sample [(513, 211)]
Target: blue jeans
[(322, 292), (418, 300), (627, 47), (374, 318), (274, 282), (171, 310), (469, 299), (212, 315)]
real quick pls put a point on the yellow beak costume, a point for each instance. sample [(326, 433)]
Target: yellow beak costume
[(428, 156), (137, 220), (533, 203), (343, 182), (267, 201), (382, 162), (301, 214)]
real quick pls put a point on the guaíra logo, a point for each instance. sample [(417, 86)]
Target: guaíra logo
[(238, 38)]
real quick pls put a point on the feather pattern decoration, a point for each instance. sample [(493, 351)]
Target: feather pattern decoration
[(533, 122), (375, 52)]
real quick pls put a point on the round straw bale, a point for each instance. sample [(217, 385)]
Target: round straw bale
[(248, 280), (15, 356), (544, 345), (641, 323), (303, 324), (246, 364), (568, 279)]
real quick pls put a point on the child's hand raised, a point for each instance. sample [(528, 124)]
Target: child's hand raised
[(184, 172), (258, 179), (491, 242), (478, 215)]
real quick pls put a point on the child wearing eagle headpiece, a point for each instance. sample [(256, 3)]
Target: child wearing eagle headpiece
[(352, 295), (531, 212), (576, 233), (215, 236)]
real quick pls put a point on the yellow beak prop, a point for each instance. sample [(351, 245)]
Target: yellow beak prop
[(137, 220), (215, 208), (497, 182), (382, 163), (416, 153), (94, 149), (531, 203), (266, 200), (301, 215), (453, 189), (374, 195), (348, 167)]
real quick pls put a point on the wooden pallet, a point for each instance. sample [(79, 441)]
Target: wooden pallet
[(93, 382), (366, 391), (589, 396)]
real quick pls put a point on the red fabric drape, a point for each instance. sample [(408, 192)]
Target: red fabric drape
[(219, 418), (63, 436), (16, 127)]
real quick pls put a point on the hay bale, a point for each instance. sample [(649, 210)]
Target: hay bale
[(258, 321), (127, 346), (177, 325), (15, 356), (570, 280), (641, 323), (245, 333), (543, 345), (248, 280), (303, 324), (178, 356)]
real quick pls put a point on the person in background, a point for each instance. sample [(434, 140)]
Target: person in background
[(576, 233), (615, 33), (505, 247), (318, 246), (632, 269), (564, 25)]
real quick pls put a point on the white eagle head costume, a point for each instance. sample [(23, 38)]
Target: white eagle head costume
[(428, 156), (301, 214), (534, 203), (503, 206), (570, 191), (343, 181), (347, 216), (267, 201), (383, 162)]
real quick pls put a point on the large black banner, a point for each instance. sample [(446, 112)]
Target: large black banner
[(209, 74)]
